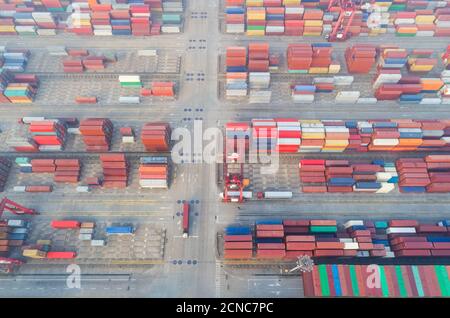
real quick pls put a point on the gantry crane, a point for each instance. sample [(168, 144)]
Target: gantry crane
[(7, 264), (341, 29), (14, 207), (233, 173)]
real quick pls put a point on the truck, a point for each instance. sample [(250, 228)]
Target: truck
[(185, 220)]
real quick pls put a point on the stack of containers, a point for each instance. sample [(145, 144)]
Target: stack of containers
[(325, 247), (5, 77), (140, 20), (405, 24), (127, 134), (312, 174), (96, 133), (313, 136), (259, 74), (163, 89), (235, 16), (45, 22), (15, 61), (421, 61), (94, 63), (171, 23), (313, 22), (154, 172), (14, 234), (236, 76), (237, 138), (238, 242), (120, 21), (256, 21), (20, 93), (438, 167), (311, 59), (101, 20), (55, 5), (341, 176), (385, 136), (264, 135), (67, 170), (442, 22), (373, 135), (289, 238), (425, 22), (337, 136), (269, 239), (289, 133), (156, 137), (303, 93), (275, 18), (79, 22), (435, 135), (413, 175), (7, 23), (5, 166), (49, 135), (133, 81), (115, 170), (392, 60), (73, 65), (360, 58)]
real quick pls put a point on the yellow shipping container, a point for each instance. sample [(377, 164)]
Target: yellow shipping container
[(44, 242), (318, 70), (292, 2), (312, 33), (313, 23), (7, 28), (383, 4), (255, 32), (336, 143), (312, 135), (334, 68), (332, 149), (254, 3), (256, 16), (421, 68), (34, 253), (425, 19)]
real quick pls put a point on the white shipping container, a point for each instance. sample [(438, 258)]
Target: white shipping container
[(129, 99), (353, 223), (98, 243), (351, 246), (402, 230)]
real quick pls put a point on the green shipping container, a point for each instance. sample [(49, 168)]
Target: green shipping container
[(256, 27), (298, 71), (397, 7), (323, 229), (171, 18), (381, 224), (406, 35), (22, 160), (131, 84)]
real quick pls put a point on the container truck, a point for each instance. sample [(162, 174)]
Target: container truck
[(185, 220)]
